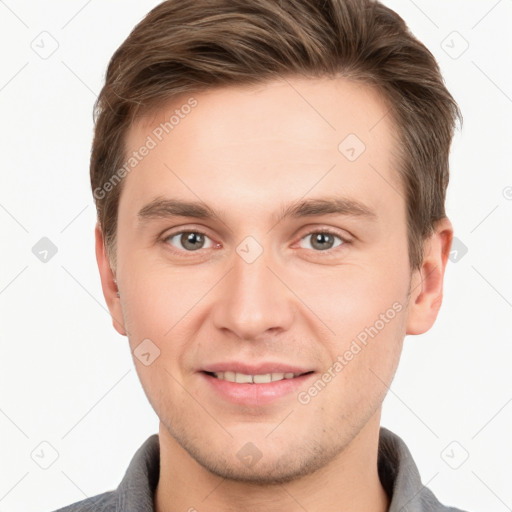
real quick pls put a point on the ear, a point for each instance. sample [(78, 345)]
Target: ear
[(427, 282), (108, 283)]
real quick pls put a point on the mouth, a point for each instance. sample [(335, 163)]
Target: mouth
[(254, 389), (262, 378)]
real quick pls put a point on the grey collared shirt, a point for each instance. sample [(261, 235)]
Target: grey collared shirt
[(397, 471)]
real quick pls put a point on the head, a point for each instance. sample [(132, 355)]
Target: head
[(249, 110)]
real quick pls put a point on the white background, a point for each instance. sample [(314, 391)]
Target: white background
[(67, 378)]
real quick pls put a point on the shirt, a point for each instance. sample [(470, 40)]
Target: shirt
[(397, 472)]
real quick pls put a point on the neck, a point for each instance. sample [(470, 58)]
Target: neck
[(349, 482)]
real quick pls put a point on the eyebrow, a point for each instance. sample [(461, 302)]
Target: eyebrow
[(166, 208)]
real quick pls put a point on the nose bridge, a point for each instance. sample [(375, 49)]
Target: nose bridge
[(252, 299)]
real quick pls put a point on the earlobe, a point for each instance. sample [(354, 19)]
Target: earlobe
[(109, 283), (427, 283)]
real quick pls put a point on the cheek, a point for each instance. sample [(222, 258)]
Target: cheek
[(364, 360), (364, 309), (164, 304), (347, 299), (156, 295)]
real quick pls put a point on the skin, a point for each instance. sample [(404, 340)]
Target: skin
[(246, 152)]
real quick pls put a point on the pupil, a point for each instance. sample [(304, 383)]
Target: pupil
[(191, 240), (321, 239)]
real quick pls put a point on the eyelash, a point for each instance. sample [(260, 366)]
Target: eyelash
[(327, 252)]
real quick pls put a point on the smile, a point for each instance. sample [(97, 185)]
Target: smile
[(242, 378), (254, 389)]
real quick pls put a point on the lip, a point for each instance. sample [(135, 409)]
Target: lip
[(255, 395), (255, 369)]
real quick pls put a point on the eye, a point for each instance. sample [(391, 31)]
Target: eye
[(189, 240), (323, 240), (193, 240)]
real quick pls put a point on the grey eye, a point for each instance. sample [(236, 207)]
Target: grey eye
[(322, 240), (189, 240)]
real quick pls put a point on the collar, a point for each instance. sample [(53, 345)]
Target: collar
[(397, 471)]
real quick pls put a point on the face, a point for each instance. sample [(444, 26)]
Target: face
[(291, 265)]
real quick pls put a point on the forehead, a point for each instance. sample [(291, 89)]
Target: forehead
[(289, 137)]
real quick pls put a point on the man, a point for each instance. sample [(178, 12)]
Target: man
[(270, 181)]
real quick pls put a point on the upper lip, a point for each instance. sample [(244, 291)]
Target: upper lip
[(255, 369)]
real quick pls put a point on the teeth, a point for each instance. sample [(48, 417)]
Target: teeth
[(262, 379), (228, 376), (242, 378)]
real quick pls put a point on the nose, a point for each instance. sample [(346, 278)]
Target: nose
[(253, 300)]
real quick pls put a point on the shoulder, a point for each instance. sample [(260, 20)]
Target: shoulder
[(401, 479), (136, 490), (105, 502)]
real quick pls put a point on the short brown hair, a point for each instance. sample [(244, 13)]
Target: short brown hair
[(191, 46)]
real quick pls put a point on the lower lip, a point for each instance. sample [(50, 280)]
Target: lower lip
[(256, 394)]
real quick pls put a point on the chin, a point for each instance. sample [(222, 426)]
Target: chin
[(261, 463)]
